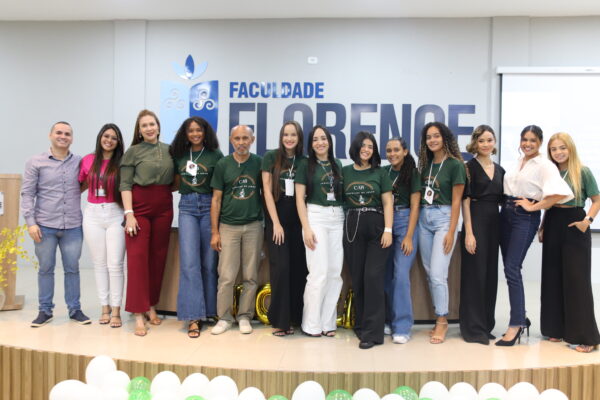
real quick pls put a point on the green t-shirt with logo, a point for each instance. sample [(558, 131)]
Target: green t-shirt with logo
[(205, 162), (364, 188), (589, 187), (268, 164), (453, 173), (403, 191), (240, 184), (321, 182)]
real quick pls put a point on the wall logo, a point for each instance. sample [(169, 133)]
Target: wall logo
[(179, 101)]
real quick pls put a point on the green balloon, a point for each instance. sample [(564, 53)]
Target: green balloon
[(277, 397), (194, 398), (139, 395), (139, 383), (406, 392), (339, 394), (425, 398)]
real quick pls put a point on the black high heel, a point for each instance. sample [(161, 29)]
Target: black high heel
[(527, 325), (512, 342)]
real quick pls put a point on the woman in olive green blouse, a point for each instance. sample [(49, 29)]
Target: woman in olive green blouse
[(146, 177)]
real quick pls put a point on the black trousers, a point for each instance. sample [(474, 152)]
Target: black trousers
[(479, 274), (287, 267), (567, 300), (366, 260)]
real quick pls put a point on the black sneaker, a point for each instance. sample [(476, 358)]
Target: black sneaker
[(79, 317), (42, 319)]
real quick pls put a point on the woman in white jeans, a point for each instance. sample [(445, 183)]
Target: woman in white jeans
[(99, 173), (318, 198)]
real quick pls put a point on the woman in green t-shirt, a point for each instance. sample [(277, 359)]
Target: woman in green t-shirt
[(406, 188), (195, 151), (367, 235), (443, 180), (567, 311), (287, 257), (318, 199)]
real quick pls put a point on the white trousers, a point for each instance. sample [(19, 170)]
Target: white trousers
[(324, 280), (105, 238)]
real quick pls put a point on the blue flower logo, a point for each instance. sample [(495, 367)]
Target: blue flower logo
[(189, 71)]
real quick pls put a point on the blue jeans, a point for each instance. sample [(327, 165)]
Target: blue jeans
[(434, 222), (397, 277), (197, 297), (517, 230), (69, 241)]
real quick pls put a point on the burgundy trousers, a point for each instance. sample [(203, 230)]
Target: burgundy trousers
[(147, 251)]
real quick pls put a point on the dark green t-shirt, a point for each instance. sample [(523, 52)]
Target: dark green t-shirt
[(364, 188), (403, 191), (589, 187), (453, 173), (321, 182), (240, 184), (268, 164), (205, 161)]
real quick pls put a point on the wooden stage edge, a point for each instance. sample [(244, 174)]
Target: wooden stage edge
[(27, 374)]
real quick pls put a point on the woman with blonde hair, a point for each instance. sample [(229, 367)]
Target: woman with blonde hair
[(567, 311)]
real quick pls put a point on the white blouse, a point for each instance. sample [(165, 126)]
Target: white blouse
[(538, 179)]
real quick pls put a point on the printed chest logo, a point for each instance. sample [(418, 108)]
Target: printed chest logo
[(243, 188), (360, 193), (326, 182), (199, 179)]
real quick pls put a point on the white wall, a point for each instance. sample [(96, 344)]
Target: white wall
[(90, 73)]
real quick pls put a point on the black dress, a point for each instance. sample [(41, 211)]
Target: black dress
[(479, 271)]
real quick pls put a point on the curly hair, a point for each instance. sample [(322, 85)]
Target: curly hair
[(450, 145), (181, 145)]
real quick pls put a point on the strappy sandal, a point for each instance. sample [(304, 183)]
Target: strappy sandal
[(153, 321), (105, 316), (279, 332), (192, 332), (290, 331), (140, 331), (328, 333), (311, 334), (115, 321), (554, 340), (584, 348), (438, 339)]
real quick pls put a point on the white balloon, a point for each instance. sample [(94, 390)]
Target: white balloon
[(309, 390), (165, 381), (196, 380), (493, 390), (365, 394), (251, 393), (522, 391), (459, 397), (97, 368), (392, 396), (166, 395), (222, 387), (89, 392), (552, 394), (115, 394), (464, 390), (434, 390), (66, 390), (115, 380)]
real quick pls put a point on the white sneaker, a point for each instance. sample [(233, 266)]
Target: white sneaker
[(387, 330), (400, 339), (245, 326), (220, 327)]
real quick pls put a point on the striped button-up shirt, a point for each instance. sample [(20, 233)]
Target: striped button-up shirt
[(50, 195)]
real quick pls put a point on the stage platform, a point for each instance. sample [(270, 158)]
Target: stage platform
[(33, 360)]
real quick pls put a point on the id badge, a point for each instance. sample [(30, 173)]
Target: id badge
[(100, 192), (289, 187), (191, 168), (428, 196), (330, 196)]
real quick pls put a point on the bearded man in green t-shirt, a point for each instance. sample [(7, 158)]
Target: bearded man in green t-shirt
[(237, 231)]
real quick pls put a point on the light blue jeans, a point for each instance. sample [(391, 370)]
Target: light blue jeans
[(434, 222), (397, 278), (197, 297), (69, 241)]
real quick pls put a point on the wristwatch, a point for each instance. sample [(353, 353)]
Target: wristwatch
[(589, 218)]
